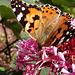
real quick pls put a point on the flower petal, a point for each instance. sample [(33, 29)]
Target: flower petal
[(61, 56)]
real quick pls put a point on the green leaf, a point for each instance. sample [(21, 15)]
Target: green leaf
[(13, 65), (6, 12), (45, 71), (64, 2), (29, 1), (24, 36), (16, 28), (73, 10), (2, 69), (67, 9), (46, 1), (1, 38), (3, 35), (7, 2)]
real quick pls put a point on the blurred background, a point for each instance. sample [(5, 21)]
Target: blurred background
[(11, 31)]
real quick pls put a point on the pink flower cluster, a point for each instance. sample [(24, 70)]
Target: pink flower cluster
[(60, 59), (28, 56)]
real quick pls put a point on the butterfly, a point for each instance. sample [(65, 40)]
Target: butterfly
[(44, 23)]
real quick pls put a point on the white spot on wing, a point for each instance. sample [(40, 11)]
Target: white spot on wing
[(19, 16), (23, 8), (70, 35), (67, 39), (67, 33), (14, 9), (61, 40), (19, 5), (16, 5)]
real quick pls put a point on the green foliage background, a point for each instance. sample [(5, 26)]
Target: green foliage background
[(6, 13)]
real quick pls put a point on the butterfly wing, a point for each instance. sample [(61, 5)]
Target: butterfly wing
[(36, 19), (28, 15), (43, 22), (51, 14), (65, 32)]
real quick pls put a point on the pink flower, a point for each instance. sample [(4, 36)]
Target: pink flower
[(73, 23), (46, 57), (26, 48), (64, 71), (60, 59)]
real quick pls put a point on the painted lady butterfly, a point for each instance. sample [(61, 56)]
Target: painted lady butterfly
[(45, 23)]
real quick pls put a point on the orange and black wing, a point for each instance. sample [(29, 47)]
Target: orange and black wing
[(65, 32)]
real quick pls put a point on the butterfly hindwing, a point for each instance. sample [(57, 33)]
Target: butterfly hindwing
[(64, 33)]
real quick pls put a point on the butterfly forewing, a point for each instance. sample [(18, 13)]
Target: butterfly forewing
[(28, 15), (50, 16)]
